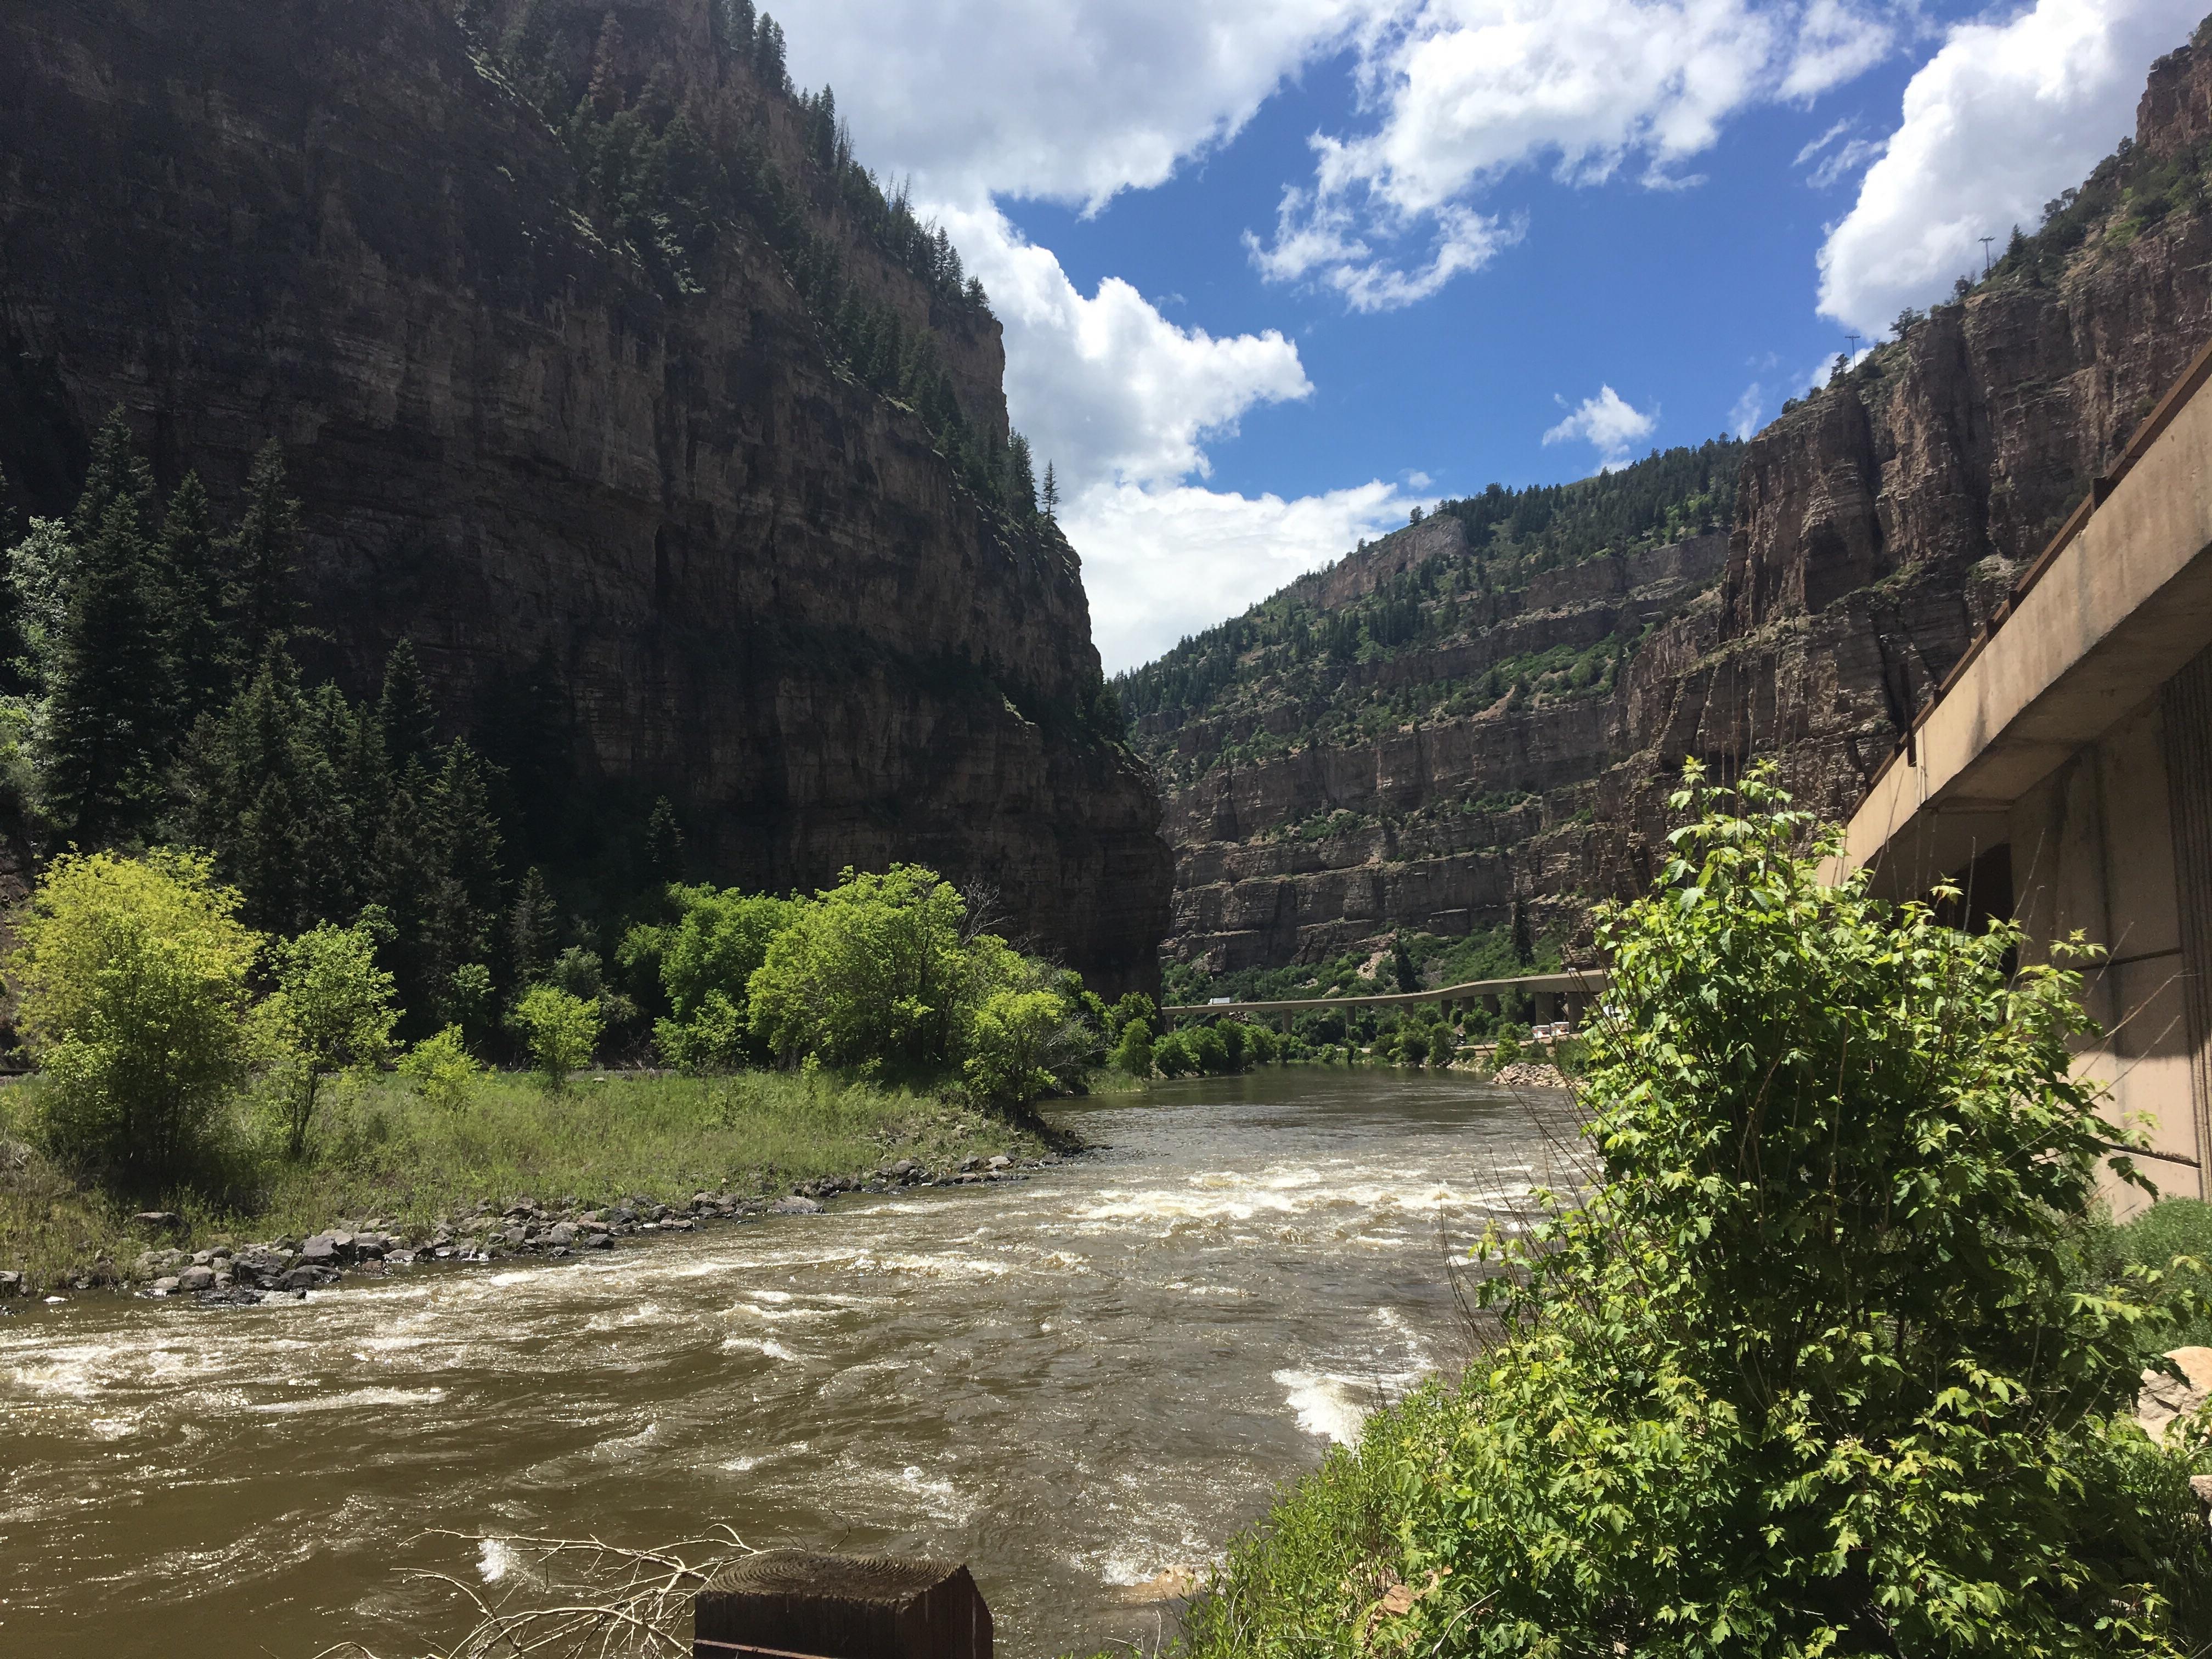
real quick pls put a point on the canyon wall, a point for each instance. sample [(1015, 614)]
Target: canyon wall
[(766, 594), (1877, 525)]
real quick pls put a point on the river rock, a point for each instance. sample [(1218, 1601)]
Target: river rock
[(166, 1286), (11, 1283), (904, 1168), (563, 1233), (195, 1279), (320, 1250), (1000, 1161), (155, 1218), (796, 1205), (2162, 1399), (600, 1242)]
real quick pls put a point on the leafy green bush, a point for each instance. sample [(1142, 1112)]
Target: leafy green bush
[(1018, 1041), (1134, 1053), (877, 971), (560, 1029), (132, 977), (1510, 1040), (1804, 1376), (444, 1071), (1173, 1054), (706, 959), (332, 1010)]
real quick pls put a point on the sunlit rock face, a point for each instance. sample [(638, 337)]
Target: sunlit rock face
[(764, 591), (1877, 525)]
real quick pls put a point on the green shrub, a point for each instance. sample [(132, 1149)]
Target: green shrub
[(1134, 1053), (706, 959), (1174, 1055), (332, 1010), (132, 977), (1511, 1041), (1018, 1042), (877, 971), (444, 1071), (1208, 1050), (560, 1029), (1804, 1375)]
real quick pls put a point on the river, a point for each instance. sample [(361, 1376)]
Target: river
[(1073, 1382)]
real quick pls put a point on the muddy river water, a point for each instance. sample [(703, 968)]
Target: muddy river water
[(1073, 1382)]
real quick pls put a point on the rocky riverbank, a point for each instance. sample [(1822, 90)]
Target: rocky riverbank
[(224, 1275), (393, 1183)]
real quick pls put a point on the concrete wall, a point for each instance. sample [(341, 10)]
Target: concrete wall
[(2092, 850)]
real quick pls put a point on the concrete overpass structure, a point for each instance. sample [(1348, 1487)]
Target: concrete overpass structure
[(2062, 774), (1557, 996)]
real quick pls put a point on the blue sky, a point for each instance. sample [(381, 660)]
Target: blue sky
[(1273, 273)]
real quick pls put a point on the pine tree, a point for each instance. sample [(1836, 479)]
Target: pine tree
[(1021, 481), (107, 702), (664, 844), (737, 23), (1524, 938), (532, 930), (274, 790), (190, 578), (1051, 495), (259, 558), (405, 716), (606, 94), (767, 54), (463, 892)]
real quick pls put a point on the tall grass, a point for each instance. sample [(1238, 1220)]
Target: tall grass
[(382, 1152)]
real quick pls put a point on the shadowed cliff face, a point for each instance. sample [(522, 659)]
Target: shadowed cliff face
[(766, 595), (1877, 525)]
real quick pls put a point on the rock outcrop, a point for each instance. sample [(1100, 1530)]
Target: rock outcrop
[(767, 593), (1877, 525)]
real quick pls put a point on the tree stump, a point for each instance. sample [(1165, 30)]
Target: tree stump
[(833, 1607)]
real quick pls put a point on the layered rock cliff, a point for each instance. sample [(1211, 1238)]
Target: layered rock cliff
[(1875, 525), (532, 422)]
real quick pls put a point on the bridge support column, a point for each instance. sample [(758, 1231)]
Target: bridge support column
[(1547, 1007), (1491, 1001)]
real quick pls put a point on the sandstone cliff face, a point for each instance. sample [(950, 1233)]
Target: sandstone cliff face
[(335, 222), (1877, 525)]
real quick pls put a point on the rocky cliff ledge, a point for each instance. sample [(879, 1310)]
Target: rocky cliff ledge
[(1874, 527), (764, 589)]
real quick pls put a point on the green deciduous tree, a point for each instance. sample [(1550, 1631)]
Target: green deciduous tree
[(876, 970), (332, 1010), (132, 977), (1133, 1052), (444, 1071), (1018, 1042), (560, 1031)]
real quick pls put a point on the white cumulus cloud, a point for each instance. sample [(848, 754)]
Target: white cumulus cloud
[(2004, 117), (1471, 89), (1609, 423), (1107, 389), (1074, 101), (1163, 562)]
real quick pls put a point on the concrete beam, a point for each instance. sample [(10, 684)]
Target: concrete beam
[(2111, 615)]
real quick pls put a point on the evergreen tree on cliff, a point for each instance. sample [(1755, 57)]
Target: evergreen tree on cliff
[(405, 713), (189, 580), (107, 697), (260, 556)]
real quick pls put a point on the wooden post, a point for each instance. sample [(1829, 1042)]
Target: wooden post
[(788, 1603)]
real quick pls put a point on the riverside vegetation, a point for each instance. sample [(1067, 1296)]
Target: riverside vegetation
[(278, 937), (1836, 1358)]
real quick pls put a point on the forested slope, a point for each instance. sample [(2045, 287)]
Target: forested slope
[(1450, 732), (605, 376)]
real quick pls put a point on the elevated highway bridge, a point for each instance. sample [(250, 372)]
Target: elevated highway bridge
[(1559, 996)]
